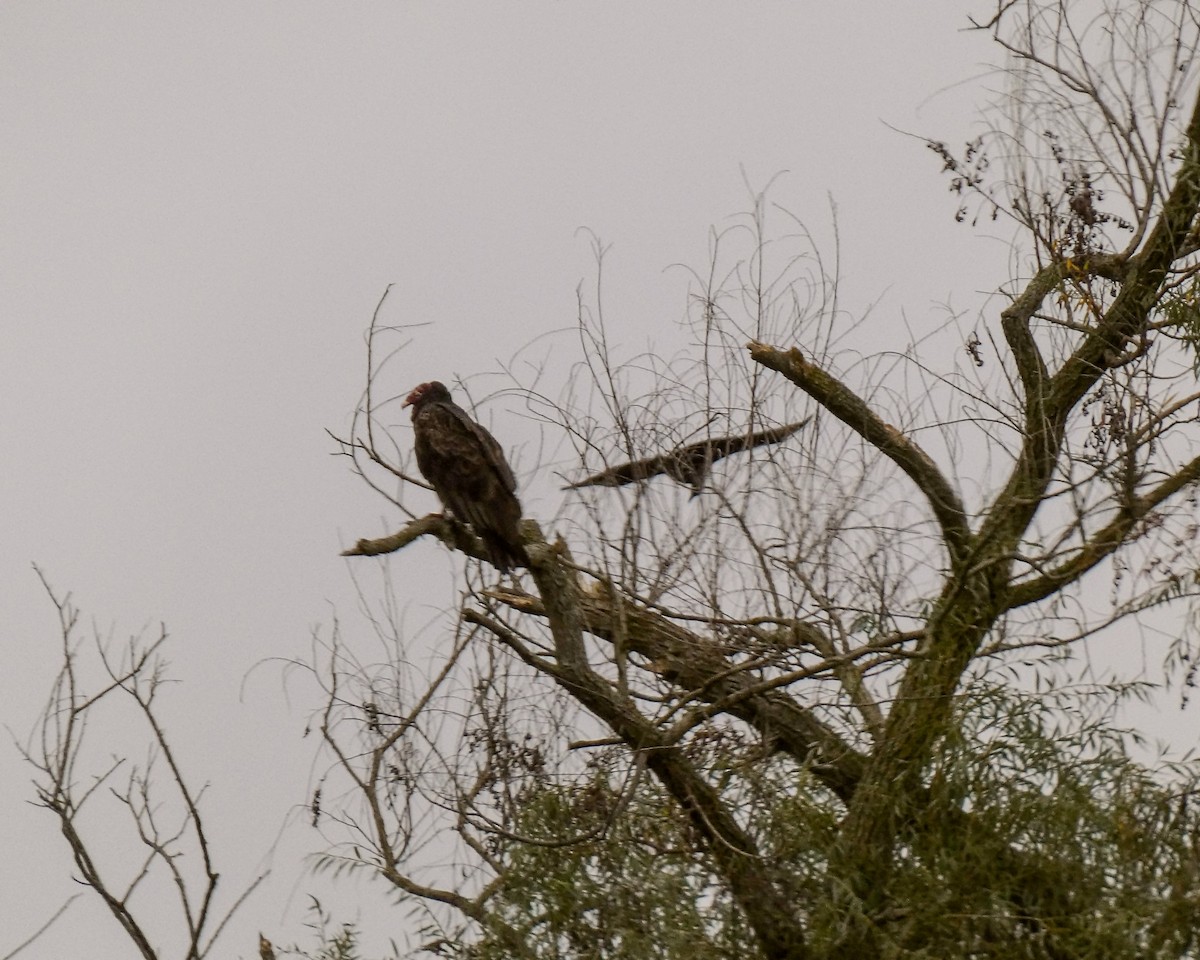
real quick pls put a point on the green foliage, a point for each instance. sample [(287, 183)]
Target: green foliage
[(1181, 311), (1041, 839), (1098, 846), (334, 941), (637, 887)]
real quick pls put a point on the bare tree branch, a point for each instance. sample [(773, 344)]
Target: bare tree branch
[(64, 790), (848, 407)]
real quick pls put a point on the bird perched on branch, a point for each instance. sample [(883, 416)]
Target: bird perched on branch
[(688, 464), (467, 470)]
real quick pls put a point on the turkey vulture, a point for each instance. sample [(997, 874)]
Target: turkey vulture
[(688, 464), (467, 470)]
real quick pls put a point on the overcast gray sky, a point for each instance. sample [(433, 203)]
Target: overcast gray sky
[(201, 205)]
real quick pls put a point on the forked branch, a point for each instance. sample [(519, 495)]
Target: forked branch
[(852, 410)]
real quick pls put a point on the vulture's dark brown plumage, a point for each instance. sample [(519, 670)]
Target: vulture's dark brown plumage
[(467, 470), (688, 464)]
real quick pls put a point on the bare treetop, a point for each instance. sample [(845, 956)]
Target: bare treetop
[(824, 629)]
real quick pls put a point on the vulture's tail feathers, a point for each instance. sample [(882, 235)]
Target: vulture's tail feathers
[(503, 553)]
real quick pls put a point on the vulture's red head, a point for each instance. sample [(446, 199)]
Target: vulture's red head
[(434, 390)]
